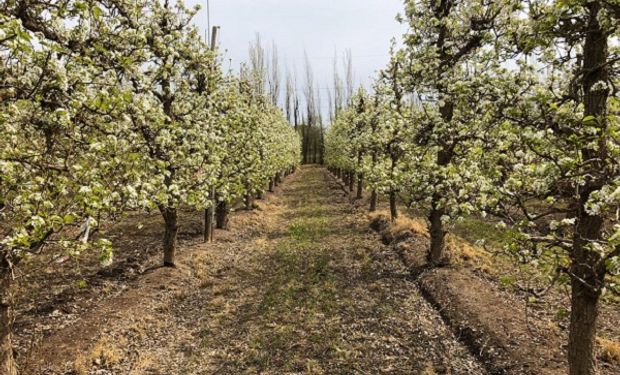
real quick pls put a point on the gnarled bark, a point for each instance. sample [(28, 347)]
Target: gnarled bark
[(249, 202), (373, 200), (587, 268), (171, 231), (222, 211), (393, 208), (437, 232)]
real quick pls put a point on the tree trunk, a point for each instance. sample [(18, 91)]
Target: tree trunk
[(588, 278), (587, 268), (393, 208), (582, 335), (373, 193), (260, 195), (207, 231), (249, 202), (221, 215), (360, 186), (373, 200), (304, 146), (351, 181), (7, 361), (271, 182), (437, 232), (209, 213), (170, 235)]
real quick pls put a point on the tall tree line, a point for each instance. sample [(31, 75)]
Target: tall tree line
[(303, 99)]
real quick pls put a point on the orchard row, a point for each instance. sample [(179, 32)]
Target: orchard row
[(116, 105), (503, 108)]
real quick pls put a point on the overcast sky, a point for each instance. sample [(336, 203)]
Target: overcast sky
[(317, 26)]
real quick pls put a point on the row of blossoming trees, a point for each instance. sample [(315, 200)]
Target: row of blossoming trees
[(115, 105), (503, 108)]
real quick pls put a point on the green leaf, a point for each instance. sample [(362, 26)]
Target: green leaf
[(97, 12), (589, 119)]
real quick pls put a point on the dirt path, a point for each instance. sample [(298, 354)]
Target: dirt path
[(304, 288)]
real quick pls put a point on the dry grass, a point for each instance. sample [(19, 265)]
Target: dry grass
[(142, 364), (198, 267), (429, 370), (378, 214), (402, 223), (263, 221), (81, 365), (610, 350), (462, 252), (106, 352), (261, 243), (314, 367), (415, 225)]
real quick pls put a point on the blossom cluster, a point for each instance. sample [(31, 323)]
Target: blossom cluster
[(113, 106)]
